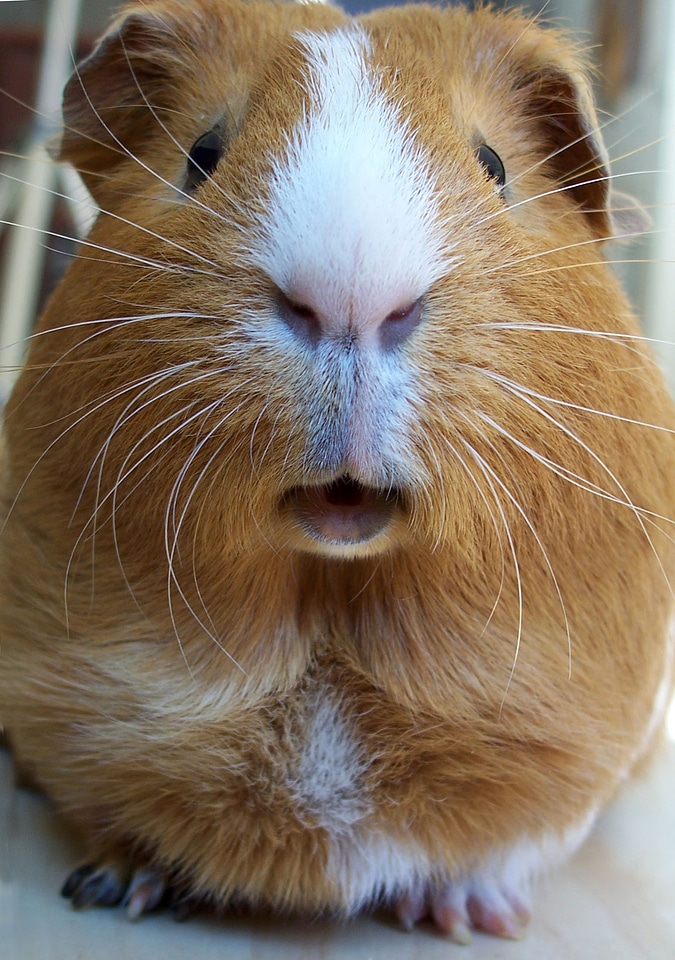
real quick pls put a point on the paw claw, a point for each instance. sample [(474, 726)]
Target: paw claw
[(145, 892), (410, 909), (75, 879), (453, 922), (498, 921), (90, 886)]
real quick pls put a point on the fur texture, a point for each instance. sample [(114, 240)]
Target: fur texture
[(201, 673)]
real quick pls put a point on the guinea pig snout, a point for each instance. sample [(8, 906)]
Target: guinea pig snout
[(386, 327)]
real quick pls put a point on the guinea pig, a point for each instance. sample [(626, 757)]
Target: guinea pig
[(338, 485)]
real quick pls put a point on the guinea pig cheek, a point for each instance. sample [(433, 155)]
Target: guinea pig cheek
[(342, 515)]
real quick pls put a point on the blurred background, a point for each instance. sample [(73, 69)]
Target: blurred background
[(631, 43)]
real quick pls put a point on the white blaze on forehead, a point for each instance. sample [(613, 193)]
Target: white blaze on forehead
[(352, 220)]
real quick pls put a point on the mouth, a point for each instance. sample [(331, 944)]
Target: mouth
[(343, 512)]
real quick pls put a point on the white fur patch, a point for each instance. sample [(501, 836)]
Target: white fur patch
[(375, 867), (516, 868), (351, 227), (327, 783)]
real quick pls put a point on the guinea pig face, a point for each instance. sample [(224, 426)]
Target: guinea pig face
[(315, 238)]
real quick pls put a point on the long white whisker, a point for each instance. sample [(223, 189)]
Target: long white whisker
[(131, 257), (504, 381), (490, 478), (530, 525), (177, 522), (581, 166), (125, 473), (469, 473), (132, 410), (107, 325), (181, 148), (92, 409), (553, 192), (615, 337), (130, 223), (92, 522), (627, 502), (171, 546), (562, 268)]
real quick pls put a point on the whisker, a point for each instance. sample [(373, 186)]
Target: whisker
[(125, 417), (171, 547), (176, 524), (490, 478), (121, 254), (93, 408), (120, 219), (504, 381), (539, 164), (439, 475), (92, 520), (615, 337), (565, 188), (176, 143), (626, 501), (469, 473), (119, 322), (260, 416), (562, 268), (532, 529), (116, 505)]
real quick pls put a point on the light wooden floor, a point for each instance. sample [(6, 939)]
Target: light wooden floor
[(614, 901)]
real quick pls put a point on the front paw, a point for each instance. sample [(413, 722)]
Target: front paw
[(111, 880), (478, 903)]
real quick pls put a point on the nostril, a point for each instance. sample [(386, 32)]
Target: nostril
[(406, 314), (348, 321), (399, 324), (301, 319)]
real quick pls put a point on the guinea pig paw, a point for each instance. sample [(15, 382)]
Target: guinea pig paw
[(480, 904), (110, 882)]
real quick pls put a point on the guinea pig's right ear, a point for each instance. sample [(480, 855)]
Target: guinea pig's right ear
[(560, 100), (112, 95)]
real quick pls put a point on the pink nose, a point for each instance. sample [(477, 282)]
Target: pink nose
[(386, 328)]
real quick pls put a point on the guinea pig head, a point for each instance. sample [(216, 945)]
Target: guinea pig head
[(303, 312)]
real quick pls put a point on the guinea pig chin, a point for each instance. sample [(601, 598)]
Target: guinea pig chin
[(343, 517)]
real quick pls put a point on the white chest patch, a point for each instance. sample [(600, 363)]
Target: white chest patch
[(352, 222), (326, 781)]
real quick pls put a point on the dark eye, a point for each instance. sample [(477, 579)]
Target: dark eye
[(493, 166), (203, 158)]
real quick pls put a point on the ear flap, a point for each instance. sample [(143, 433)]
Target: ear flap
[(108, 101), (559, 99), (561, 104)]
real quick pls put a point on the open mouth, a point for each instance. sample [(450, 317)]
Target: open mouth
[(343, 511)]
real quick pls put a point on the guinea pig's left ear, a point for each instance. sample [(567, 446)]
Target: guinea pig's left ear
[(560, 102), (112, 101)]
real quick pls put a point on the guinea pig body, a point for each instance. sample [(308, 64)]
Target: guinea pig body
[(338, 484)]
